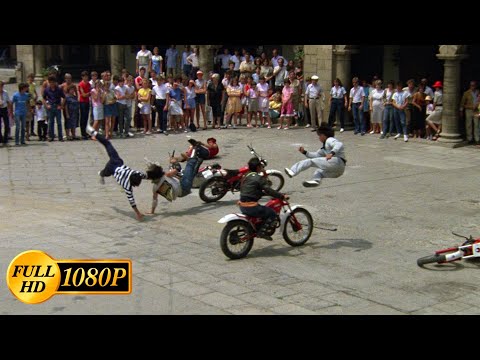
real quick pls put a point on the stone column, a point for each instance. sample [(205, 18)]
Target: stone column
[(206, 54), (343, 63), (24, 62), (452, 55), (39, 59), (391, 58), (116, 59)]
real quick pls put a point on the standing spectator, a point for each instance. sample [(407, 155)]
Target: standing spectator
[(366, 106), (144, 95), (109, 109), (287, 104), (419, 112), (276, 57), (377, 106), (174, 105), (5, 114), (157, 61), (263, 101), (356, 99), (130, 95), (98, 99), (72, 112), (435, 118), (388, 119), (65, 86), (428, 89), (186, 66), (313, 100), (32, 91), (224, 60), (54, 101), (338, 102), (410, 91), (193, 60), (247, 67), (144, 59), (20, 102), (160, 93), (123, 119), (200, 91), (400, 102), (41, 118), (216, 93), (171, 58), (189, 104), (84, 93), (468, 104), (236, 60), (280, 73), (234, 105)]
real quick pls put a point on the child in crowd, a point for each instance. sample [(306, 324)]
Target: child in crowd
[(41, 118), (72, 112)]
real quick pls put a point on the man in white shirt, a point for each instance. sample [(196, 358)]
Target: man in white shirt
[(144, 59), (313, 101)]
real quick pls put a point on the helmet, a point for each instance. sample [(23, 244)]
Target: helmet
[(264, 162)]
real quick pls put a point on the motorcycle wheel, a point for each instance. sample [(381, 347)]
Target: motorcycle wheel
[(276, 181), (230, 240), (431, 259), (213, 189), (293, 235)]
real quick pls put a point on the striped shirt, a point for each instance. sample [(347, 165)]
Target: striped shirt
[(122, 175)]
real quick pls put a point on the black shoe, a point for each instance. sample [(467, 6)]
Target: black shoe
[(264, 236)]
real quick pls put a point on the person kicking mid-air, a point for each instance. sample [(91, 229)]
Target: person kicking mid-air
[(329, 159), (125, 176)]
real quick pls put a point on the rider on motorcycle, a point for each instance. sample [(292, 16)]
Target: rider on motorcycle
[(253, 187)]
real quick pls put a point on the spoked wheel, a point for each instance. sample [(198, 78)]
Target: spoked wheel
[(275, 181), (298, 227), (236, 240), (437, 258), (213, 189)]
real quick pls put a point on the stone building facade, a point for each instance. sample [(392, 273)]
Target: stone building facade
[(326, 61)]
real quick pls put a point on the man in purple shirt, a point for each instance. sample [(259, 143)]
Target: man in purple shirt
[(54, 101)]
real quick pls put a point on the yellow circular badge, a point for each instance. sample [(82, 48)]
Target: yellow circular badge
[(33, 277)]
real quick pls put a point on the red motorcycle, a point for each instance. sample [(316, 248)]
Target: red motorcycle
[(220, 181), (295, 223)]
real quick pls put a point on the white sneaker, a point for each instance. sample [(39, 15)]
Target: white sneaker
[(381, 132), (311, 183), (397, 136), (289, 172), (405, 138), (372, 132), (307, 126), (131, 134), (342, 130), (90, 130), (102, 179)]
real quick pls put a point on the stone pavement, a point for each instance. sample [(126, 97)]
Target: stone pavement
[(395, 203)]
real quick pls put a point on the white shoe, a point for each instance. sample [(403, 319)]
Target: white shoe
[(307, 126), (342, 130), (397, 136), (311, 183), (102, 179), (131, 134), (372, 132), (381, 132), (405, 138), (90, 130), (289, 172)]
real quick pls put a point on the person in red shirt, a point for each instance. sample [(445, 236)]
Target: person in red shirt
[(84, 89)]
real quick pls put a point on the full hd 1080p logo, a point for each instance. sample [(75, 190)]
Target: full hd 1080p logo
[(34, 277)]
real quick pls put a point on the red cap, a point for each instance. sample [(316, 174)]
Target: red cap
[(212, 139), (438, 84)]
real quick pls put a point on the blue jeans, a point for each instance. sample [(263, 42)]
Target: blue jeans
[(191, 169), (388, 120), (358, 118), (52, 114), (400, 120), (84, 110), (115, 160), (336, 106), (20, 120)]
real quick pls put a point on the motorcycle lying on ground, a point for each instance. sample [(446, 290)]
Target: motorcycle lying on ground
[(469, 249), (295, 223), (220, 181)]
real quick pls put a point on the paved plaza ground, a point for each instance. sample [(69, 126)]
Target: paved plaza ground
[(395, 203)]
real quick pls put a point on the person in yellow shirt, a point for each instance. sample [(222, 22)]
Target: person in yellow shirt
[(144, 95)]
